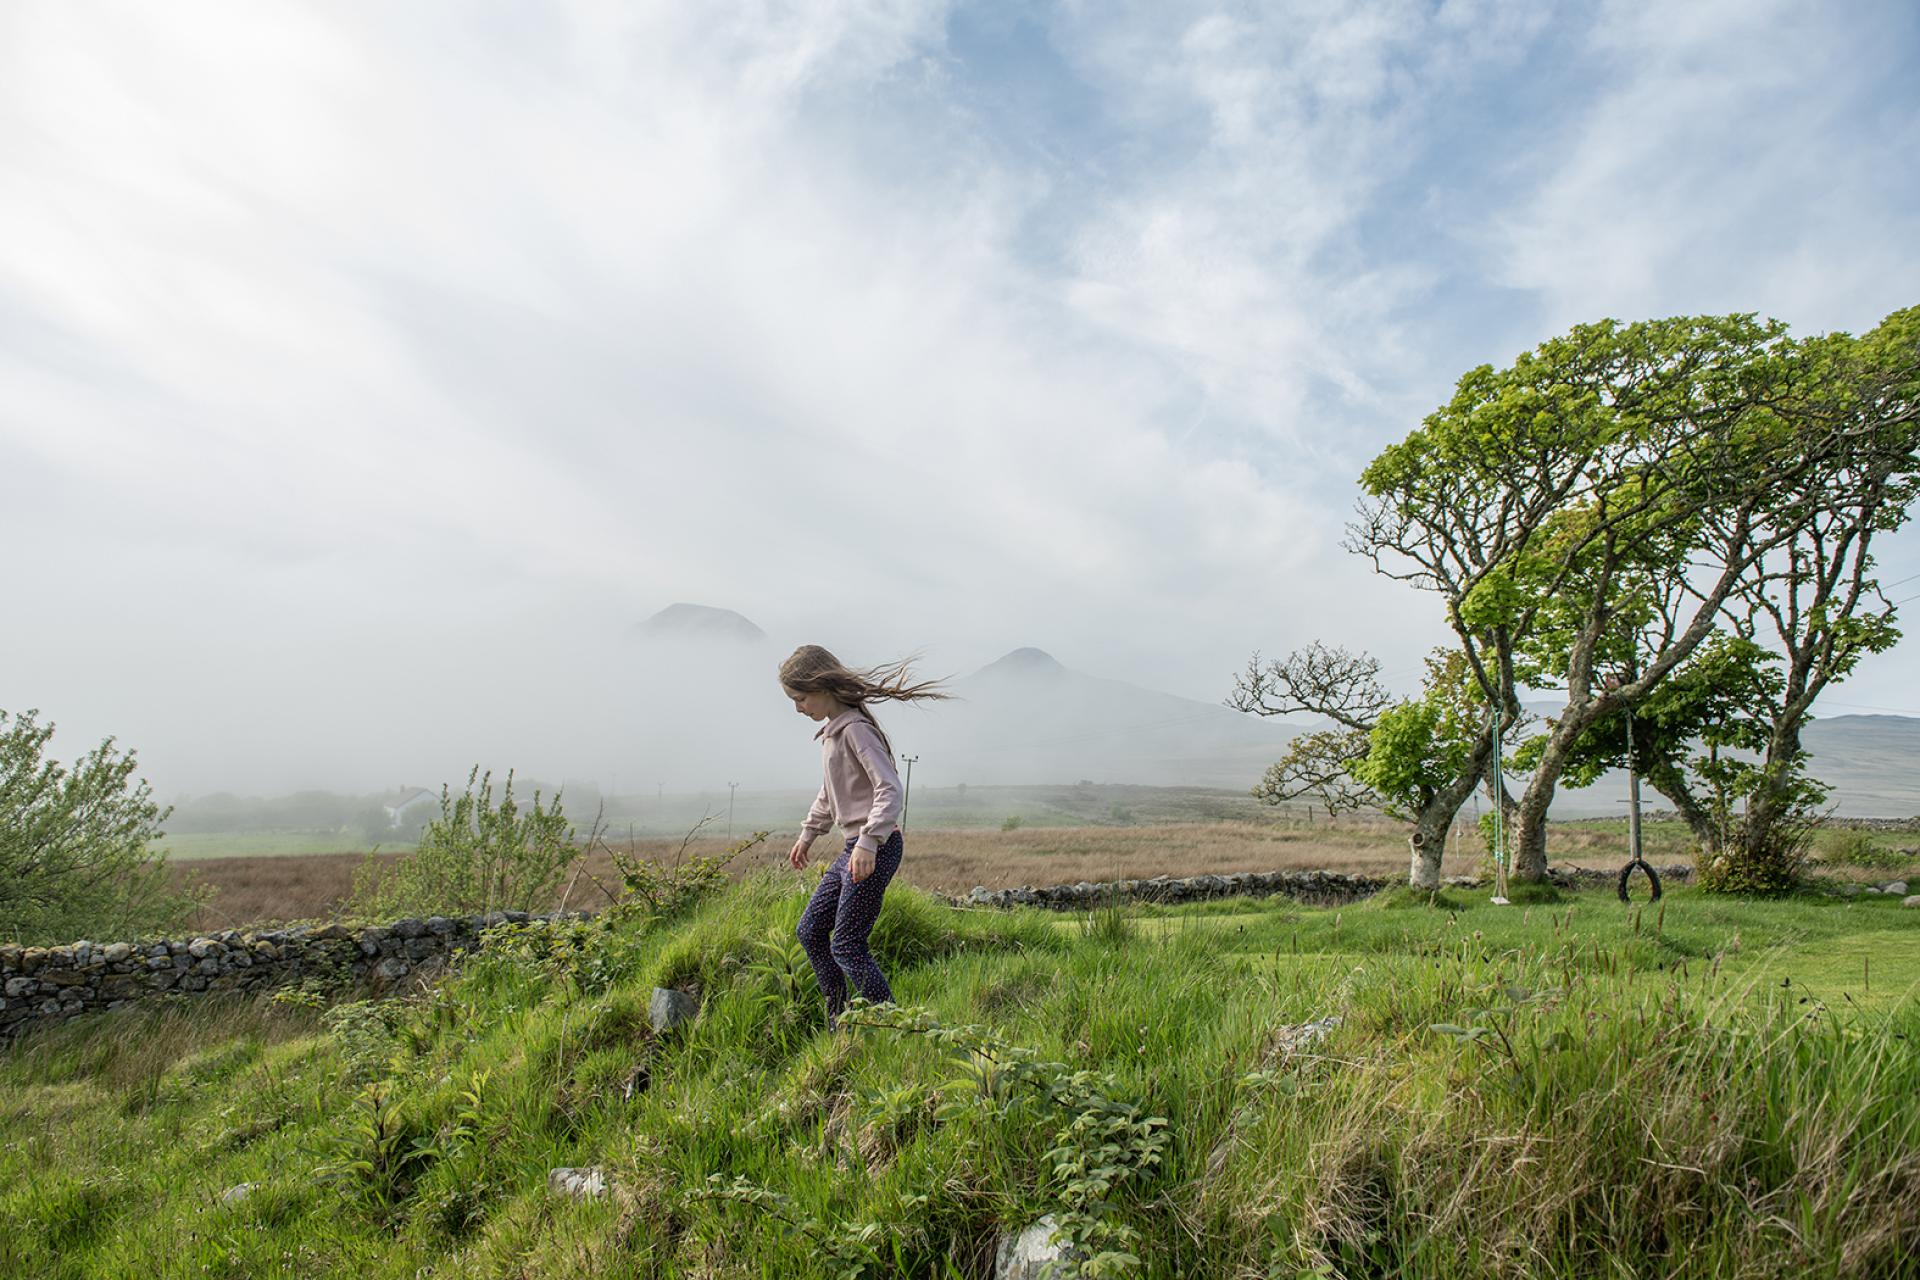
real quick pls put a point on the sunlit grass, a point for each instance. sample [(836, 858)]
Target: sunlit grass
[(1717, 1087)]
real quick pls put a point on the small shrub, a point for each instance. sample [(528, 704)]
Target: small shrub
[(1860, 849), (477, 856), (363, 1032), (1011, 824)]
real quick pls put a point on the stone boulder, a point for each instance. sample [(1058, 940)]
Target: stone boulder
[(577, 1184), (669, 1008), (1032, 1255)]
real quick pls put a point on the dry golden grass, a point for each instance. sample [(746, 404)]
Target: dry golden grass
[(258, 890)]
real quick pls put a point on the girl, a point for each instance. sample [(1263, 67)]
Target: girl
[(861, 792)]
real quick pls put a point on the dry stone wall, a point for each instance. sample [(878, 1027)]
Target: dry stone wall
[(1308, 886), (40, 985)]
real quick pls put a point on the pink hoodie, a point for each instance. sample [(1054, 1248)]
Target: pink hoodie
[(861, 791)]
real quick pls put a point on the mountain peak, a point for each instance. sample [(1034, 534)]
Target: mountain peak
[(698, 621), (1027, 663)]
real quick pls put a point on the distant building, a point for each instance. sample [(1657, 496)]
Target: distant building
[(410, 807)]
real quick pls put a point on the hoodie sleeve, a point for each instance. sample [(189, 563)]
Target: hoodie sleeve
[(883, 818), (819, 817)]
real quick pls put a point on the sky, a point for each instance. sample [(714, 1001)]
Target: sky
[(368, 371)]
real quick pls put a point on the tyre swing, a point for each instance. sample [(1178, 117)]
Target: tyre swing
[(1636, 862)]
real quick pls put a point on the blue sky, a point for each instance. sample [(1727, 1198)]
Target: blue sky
[(356, 357)]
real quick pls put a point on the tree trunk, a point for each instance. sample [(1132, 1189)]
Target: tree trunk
[(1428, 846), (1769, 802), (1530, 858), (1669, 781), (1428, 843)]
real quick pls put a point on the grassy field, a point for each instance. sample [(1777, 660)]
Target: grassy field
[(1563, 1087), (287, 886)]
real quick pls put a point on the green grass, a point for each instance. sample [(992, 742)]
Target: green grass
[(1566, 1088)]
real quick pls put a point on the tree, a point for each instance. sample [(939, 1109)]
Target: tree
[(1418, 759), (1605, 497), (77, 853), (1721, 738)]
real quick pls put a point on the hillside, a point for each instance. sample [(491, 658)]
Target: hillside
[(1249, 1088)]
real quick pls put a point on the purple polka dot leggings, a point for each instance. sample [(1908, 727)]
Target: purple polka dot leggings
[(836, 923)]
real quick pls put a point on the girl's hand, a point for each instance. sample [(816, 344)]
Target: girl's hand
[(860, 864), (797, 856)]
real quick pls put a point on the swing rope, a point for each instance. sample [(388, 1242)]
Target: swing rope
[(1499, 817), (1633, 829)]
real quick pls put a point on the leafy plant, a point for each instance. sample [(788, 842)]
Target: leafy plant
[(1101, 1147), (480, 855), (77, 853)]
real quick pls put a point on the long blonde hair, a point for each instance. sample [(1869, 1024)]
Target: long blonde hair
[(812, 669)]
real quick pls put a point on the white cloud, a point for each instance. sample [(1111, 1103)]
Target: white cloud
[(1733, 159), (374, 361)]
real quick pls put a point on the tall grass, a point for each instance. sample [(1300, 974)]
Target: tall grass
[(1561, 1089)]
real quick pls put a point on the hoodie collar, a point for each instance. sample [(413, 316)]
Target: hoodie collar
[(839, 722)]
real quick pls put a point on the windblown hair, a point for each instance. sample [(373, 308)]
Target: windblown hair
[(811, 669)]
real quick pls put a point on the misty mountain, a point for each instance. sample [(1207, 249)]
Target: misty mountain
[(1028, 718), (698, 622)]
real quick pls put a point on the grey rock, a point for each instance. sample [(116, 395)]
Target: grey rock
[(669, 1008), (117, 952), (577, 1184), (1031, 1255), (440, 925), (200, 948), (161, 961), (1898, 888), (1851, 890), (981, 895), (392, 969), (1292, 1039), (17, 987), (235, 1194), (1911, 900)]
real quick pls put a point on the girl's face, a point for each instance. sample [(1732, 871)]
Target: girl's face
[(815, 706)]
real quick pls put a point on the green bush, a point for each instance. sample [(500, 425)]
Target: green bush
[(77, 854), (1860, 849), (477, 856)]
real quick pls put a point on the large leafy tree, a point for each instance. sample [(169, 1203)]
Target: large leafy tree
[(1590, 511), (77, 843), (1721, 738)]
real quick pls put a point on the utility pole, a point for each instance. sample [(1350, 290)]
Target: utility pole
[(730, 789), (907, 799)]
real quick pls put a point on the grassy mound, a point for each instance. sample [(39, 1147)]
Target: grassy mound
[(1704, 1089)]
